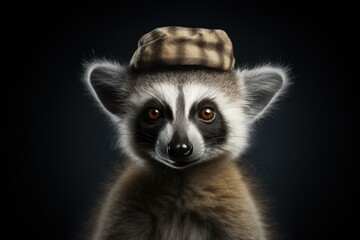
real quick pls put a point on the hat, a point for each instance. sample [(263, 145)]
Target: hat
[(180, 46)]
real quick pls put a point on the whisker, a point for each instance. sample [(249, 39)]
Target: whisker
[(145, 133)]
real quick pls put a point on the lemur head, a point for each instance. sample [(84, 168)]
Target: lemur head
[(181, 116)]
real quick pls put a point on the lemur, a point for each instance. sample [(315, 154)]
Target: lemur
[(182, 124)]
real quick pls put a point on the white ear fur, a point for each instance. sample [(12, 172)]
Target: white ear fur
[(262, 87), (107, 83)]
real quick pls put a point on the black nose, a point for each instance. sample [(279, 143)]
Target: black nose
[(178, 148)]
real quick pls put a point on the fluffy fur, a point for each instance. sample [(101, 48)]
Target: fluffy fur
[(152, 197)]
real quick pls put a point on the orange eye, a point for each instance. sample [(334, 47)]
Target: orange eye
[(153, 114), (207, 114)]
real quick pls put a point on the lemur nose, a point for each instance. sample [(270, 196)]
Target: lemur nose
[(179, 148)]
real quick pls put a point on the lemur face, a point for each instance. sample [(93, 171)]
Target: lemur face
[(182, 124), (183, 117)]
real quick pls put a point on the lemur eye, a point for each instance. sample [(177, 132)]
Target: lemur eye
[(153, 114), (207, 114)]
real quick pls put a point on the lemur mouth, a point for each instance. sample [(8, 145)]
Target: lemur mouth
[(177, 164), (183, 164)]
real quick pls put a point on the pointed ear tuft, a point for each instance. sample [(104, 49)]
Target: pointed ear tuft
[(262, 88), (108, 83)]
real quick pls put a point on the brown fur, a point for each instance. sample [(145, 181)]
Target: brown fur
[(206, 201)]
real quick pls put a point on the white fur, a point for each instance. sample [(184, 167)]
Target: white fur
[(167, 93), (90, 67), (197, 140), (164, 138), (253, 75), (195, 92), (232, 112)]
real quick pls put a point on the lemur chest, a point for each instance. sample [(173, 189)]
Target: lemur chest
[(176, 209)]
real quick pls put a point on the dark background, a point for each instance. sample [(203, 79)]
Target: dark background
[(302, 154)]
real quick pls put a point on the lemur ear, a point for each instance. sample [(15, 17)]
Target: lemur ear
[(107, 82), (262, 87)]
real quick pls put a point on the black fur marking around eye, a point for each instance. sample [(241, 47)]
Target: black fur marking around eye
[(215, 132), (145, 133)]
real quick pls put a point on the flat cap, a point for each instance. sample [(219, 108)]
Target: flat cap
[(180, 46)]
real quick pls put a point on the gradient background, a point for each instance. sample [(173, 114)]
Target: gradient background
[(302, 154)]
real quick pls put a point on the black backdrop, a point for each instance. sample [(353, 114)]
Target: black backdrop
[(301, 154)]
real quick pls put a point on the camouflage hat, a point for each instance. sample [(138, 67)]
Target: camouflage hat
[(180, 46)]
